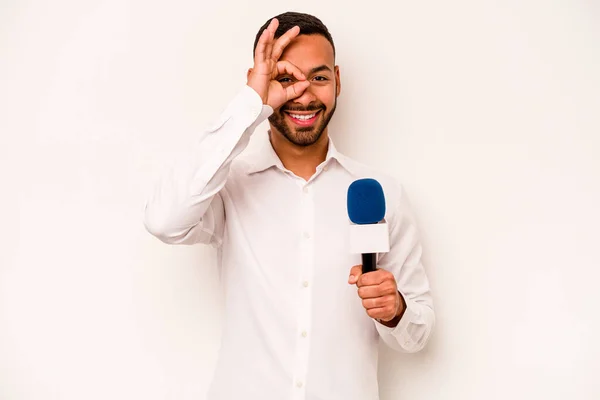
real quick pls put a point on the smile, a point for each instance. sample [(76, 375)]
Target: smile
[(303, 119)]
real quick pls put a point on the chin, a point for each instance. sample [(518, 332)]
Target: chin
[(301, 139)]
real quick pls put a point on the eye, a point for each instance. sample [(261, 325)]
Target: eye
[(320, 78), (285, 80)]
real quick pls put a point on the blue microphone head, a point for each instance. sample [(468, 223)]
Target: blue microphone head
[(366, 202)]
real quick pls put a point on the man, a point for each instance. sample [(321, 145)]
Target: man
[(301, 320)]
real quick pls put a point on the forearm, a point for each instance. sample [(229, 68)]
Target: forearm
[(182, 196), (412, 330)]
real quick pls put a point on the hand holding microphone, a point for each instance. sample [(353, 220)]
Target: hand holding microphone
[(379, 293), (369, 236)]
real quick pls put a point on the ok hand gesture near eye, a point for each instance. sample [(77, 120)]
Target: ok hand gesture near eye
[(267, 67)]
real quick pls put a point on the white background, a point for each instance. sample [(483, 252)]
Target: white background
[(487, 111)]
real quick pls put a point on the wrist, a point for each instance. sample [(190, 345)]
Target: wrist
[(399, 313), (252, 85)]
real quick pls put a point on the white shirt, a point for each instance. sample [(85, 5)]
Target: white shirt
[(293, 326)]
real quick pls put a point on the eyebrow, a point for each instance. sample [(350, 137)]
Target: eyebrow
[(319, 69)]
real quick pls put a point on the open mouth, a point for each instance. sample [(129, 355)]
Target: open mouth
[(304, 118)]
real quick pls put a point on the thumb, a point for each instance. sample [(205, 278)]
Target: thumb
[(296, 90), (355, 273)]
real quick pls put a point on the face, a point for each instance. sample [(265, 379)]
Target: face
[(304, 120)]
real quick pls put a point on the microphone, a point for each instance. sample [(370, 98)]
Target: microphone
[(369, 232)]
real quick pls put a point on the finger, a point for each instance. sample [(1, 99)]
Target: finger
[(378, 302), (272, 28), (371, 292), (286, 67), (283, 41), (261, 47), (355, 273), (296, 90), (375, 278)]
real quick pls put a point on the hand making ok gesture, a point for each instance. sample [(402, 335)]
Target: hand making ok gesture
[(267, 67)]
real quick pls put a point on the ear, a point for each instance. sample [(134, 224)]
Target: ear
[(249, 72), (338, 82)]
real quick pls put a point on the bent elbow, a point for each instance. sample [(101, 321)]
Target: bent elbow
[(161, 227), (157, 227)]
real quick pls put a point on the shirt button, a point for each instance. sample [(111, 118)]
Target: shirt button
[(305, 283), (306, 235), (304, 334), (305, 189), (299, 384)]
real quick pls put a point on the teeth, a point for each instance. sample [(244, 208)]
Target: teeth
[(303, 117)]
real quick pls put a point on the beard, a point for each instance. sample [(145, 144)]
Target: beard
[(302, 135)]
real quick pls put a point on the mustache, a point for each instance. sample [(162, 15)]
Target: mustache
[(310, 107)]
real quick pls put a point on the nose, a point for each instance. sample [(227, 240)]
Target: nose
[(306, 97)]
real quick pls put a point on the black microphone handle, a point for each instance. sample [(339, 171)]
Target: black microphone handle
[(369, 262)]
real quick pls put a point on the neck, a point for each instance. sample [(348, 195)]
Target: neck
[(301, 160)]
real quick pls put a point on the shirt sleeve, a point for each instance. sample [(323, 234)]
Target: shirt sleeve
[(185, 206), (404, 261)]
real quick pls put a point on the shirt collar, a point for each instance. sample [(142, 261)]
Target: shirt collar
[(265, 157)]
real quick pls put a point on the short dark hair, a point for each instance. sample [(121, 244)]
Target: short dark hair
[(309, 25)]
